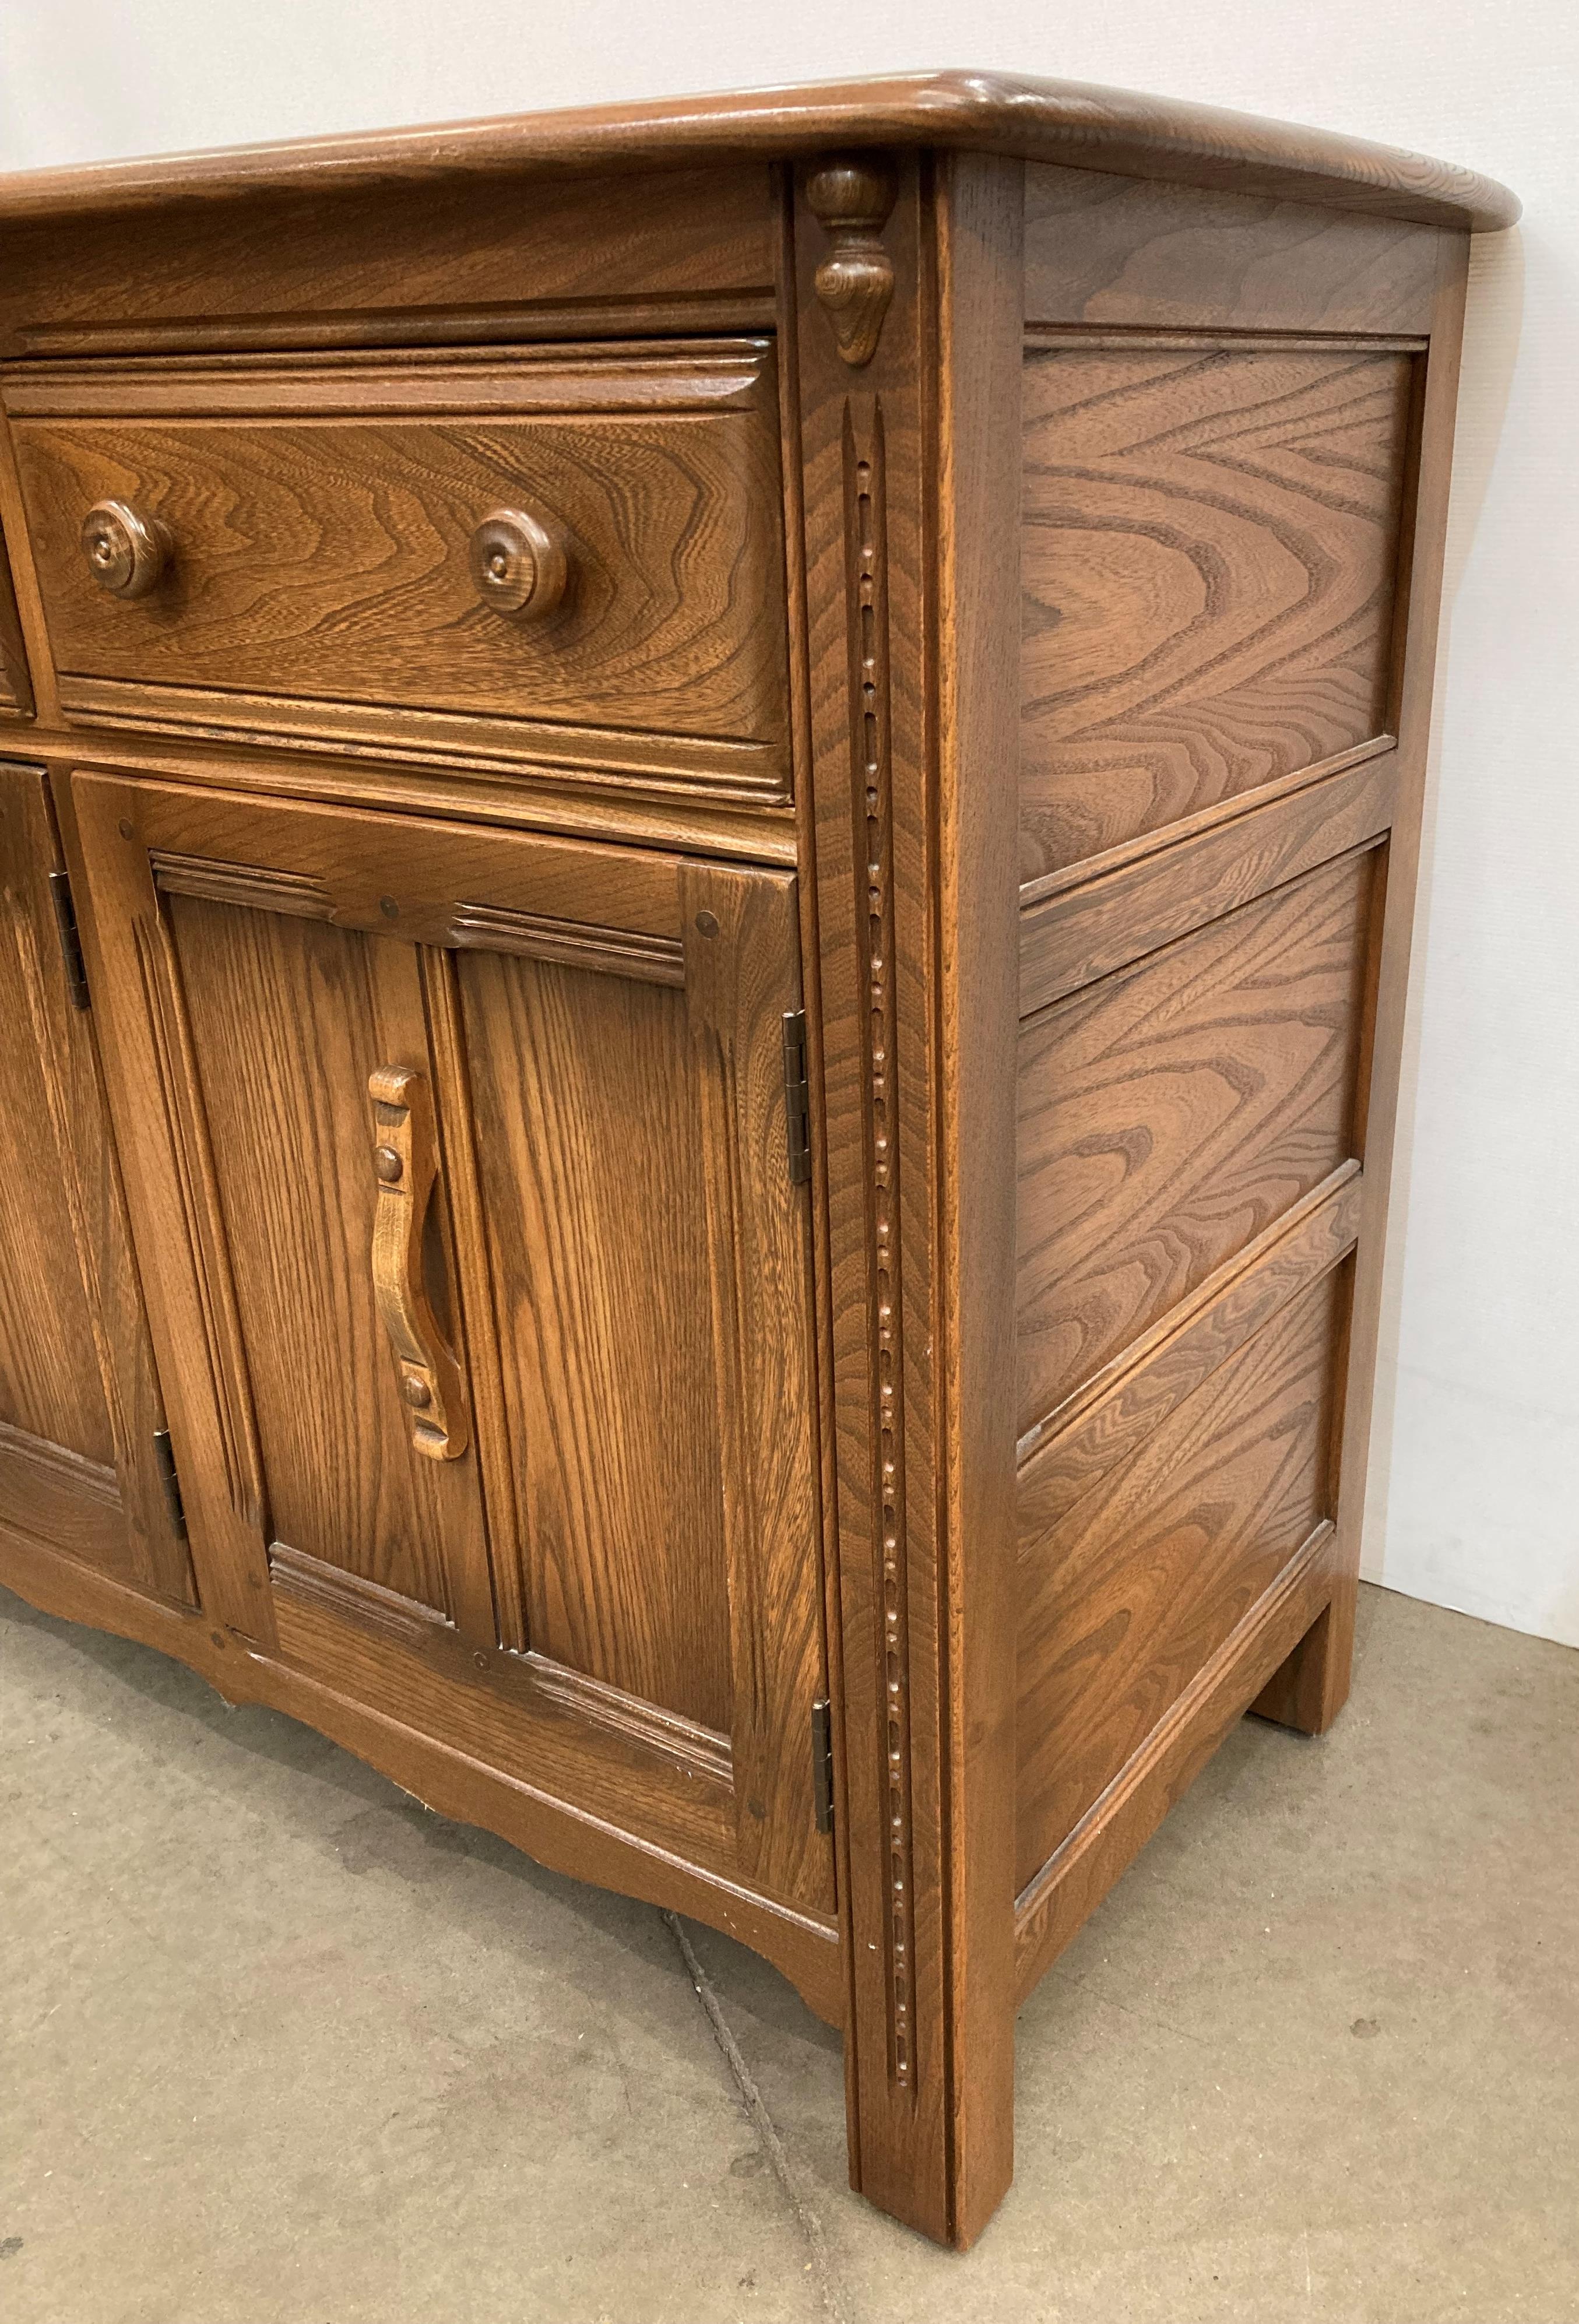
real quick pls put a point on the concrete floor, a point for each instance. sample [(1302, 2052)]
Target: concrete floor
[(285, 2049)]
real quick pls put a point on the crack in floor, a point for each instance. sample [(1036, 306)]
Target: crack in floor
[(762, 2123)]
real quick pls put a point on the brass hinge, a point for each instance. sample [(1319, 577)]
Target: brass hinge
[(164, 1461), (822, 1762), (70, 941), (797, 1097)]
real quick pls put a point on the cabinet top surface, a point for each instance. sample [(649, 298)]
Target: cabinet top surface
[(1070, 122)]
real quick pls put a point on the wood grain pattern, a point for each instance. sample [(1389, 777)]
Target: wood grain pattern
[(637, 375), (979, 227), (594, 1195), (50, 1383), (912, 842), (536, 1687), (1321, 1685), (851, 199), (436, 745), (677, 249), (317, 1010), (1073, 931), (175, 1207), (15, 682), (860, 590), (1111, 1413), (1077, 1875), (1169, 1113), (1178, 141), (80, 1403), (58, 1496), (327, 561), (348, 867), (741, 978), (1127, 1596), (1120, 251), (326, 810), (658, 815), (648, 1261), (1210, 547), (623, 1268), (620, 951)]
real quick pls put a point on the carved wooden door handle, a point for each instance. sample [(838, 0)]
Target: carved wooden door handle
[(520, 563), (126, 553), (405, 1163)]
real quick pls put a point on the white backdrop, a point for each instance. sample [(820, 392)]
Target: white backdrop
[(1472, 1495)]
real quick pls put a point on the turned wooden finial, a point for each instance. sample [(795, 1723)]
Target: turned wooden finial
[(851, 198)]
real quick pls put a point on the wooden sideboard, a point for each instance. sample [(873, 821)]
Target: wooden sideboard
[(709, 828)]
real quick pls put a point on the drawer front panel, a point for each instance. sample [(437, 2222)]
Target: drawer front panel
[(318, 573)]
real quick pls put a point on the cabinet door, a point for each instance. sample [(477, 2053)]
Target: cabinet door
[(80, 1410), (462, 1160)]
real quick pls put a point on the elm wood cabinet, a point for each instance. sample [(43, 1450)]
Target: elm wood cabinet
[(715, 805)]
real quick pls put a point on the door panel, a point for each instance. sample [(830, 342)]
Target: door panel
[(589, 1156), (80, 1404), (51, 1387), (290, 1019), (619, 1560)]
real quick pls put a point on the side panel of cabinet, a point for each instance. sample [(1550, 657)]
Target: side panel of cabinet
[(526, 1457), (1231, 551), (79, 1404)]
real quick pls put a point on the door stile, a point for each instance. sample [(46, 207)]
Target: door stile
[(92, 1189), (741, 949), (471, 1278), (173, 1197), (447, 1492)]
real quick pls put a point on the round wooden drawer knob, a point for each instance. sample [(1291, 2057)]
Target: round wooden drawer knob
[(518, 563), (125, 553)]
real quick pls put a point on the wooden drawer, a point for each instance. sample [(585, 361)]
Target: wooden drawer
[(312, 569)]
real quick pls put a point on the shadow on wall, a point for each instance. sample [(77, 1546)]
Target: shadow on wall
[(1494, 318)]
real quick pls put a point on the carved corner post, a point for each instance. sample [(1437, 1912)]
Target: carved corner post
[(908, 325)]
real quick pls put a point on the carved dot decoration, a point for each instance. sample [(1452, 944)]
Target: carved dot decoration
[(388, 1165), (389, 908), (867, 612), (707, 923), (417, 1393)]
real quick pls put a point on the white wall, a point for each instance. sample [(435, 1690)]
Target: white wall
[(1478, 1435)]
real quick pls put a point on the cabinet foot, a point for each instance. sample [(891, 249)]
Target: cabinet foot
[(1307, 1690)]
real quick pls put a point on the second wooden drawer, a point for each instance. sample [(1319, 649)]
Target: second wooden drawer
[(305, 553)]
